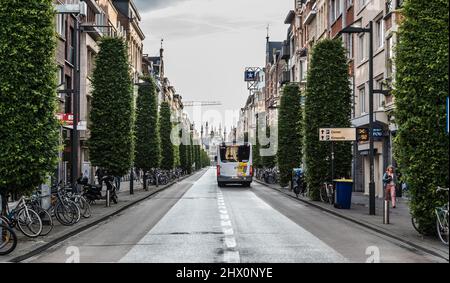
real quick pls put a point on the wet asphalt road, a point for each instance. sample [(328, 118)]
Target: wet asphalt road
[(196, 221)]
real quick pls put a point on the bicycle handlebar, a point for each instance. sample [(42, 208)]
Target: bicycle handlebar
[(441, 189)]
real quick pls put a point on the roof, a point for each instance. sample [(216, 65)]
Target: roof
[(290, 16), (271, 46)]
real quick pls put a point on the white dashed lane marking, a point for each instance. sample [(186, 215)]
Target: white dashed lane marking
[(230, 255)]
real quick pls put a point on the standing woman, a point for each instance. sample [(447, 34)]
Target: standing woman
[(390, 183)]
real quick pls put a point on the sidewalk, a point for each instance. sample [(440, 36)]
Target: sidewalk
[(27, 247), (400, 226)]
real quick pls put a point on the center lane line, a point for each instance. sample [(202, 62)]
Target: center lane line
[(230, 255)]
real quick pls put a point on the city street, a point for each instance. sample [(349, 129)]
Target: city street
[(196, 221)]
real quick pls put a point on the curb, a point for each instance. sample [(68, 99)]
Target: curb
[(358, 222), (80, 229)]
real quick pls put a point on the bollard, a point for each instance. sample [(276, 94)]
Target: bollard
[(108, 198), (46, 194), (386, 212)]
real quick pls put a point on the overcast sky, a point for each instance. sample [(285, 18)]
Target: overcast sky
[(208, 44)]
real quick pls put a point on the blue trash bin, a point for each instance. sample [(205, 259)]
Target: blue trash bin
[(344, 189)]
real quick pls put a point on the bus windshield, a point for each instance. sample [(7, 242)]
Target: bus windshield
[(235, 153)]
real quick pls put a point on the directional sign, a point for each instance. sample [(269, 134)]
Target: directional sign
[(337, 134)]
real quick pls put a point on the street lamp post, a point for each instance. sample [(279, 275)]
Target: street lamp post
[(350, 30)]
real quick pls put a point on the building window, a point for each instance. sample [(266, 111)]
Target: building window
[(390, 56), (379, 33), (362, 100), (335, 6), (349, 46), (349, 3), (361, 48), (303, 70), (379, 97), (60, 25), (90, 62)]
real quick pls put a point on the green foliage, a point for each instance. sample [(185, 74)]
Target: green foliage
[(28, 127), (165, 126), (289, 133), (256, 147), (196, 156), (147, 149), (176, 156), (421, 144), (189, 153), (183, 149), (111, 141), (205, 161), (328, 104)]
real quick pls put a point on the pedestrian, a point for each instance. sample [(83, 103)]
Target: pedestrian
[(99, 174), (118, 180), (390, 183)]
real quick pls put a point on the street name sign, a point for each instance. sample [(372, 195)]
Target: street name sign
[(337, 134)]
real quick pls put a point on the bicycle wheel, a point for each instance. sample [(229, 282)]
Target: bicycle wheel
[(30, 224), (77, 210), (47, 221), (65, 214), (442, 229), (8, 239), (85, 207), (323, 194)]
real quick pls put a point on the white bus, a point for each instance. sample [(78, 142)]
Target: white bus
[(234, 164)]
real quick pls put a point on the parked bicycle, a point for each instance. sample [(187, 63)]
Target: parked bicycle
[(327, 193), (8, 238), (442, 219), (24, 218), (35, 203), (271, 175)]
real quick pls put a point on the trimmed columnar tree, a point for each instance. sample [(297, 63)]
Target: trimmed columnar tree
[(421, 88), (183, 153), (111, 142), (165, 126), (189, 154), (289, 132), (198, 159), (28, 127), (147, 147), (328, 104), (205, 159), (256, 147)]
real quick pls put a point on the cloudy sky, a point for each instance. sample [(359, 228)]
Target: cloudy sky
[(208, 44)]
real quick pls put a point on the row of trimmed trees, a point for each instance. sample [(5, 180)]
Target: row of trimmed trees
[(421, 146), (120, 135), (122, 129), (327, 104)]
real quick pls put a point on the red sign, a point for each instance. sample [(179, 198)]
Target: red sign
[(65, 118)]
